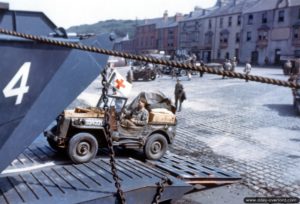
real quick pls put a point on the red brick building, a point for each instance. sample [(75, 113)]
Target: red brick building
[(158, 34)]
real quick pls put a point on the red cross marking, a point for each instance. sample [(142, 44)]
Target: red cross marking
[(119, 83)]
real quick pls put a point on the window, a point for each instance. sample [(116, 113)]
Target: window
[(299, 13), (250, 19), (262, 35), (209, 24), (239, 20), (224, 38), (281, 16), (249, 36), (208, 38), (221, 22), (237, 37), (219, 54), (296, 34), (264, 18), (230, 21)]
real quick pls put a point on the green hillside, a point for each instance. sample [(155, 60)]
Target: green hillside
[(120, 27)]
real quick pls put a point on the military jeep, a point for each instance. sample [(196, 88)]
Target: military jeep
[(80, 132), (144, 72)]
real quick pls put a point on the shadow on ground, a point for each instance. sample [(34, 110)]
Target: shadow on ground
[(283, 109)]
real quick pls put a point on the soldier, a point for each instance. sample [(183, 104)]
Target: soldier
[(181, 99), (247, 70), (287, 67), (267, 60), (227, 66), (233, 63), (189, 75), (296, 68), (173, 72), (193, 59), (137, 117), (129, 75), (202, 65), (178, 94)]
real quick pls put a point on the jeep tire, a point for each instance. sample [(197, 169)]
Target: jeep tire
[(82, 148), (155, 147)]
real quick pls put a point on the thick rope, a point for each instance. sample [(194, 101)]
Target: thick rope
[(191, 67)]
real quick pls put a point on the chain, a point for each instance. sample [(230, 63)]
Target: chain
[(160, 189), (189, 66), (116, 178), (185, 66)]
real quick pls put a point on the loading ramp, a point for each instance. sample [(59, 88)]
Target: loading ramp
[(40, 175)]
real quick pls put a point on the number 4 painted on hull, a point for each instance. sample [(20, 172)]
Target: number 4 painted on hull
[(22, 75)]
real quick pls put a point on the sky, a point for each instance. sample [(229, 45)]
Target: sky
[(66, 13)]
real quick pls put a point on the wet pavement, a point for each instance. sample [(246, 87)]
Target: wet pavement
[(250, 128)]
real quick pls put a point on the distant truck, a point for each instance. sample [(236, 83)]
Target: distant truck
[(80, 132)]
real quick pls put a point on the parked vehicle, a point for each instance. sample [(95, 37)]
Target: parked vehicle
[(214, 65), (80, 132), (144, 72)]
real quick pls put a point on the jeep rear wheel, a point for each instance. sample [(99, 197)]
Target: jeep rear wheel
[(82, 148), (155, 147)]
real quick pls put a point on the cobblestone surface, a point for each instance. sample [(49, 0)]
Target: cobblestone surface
[(249, 128)]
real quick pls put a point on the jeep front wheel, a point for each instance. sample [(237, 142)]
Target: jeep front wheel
[(82, 148), (155, 147)]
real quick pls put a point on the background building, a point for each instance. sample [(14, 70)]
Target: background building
[(259, 31)]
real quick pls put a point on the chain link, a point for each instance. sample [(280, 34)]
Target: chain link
[(160, 189), (189, 66), (120, 193)]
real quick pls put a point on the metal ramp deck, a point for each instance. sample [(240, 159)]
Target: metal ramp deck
[(39, 175)]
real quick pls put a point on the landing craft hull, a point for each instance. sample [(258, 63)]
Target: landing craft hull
[(37, 82)]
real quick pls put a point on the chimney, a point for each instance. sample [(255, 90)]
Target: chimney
[(4, 6), (165, 16), (234, 2), (178, 17), (197, 8), (219, 3)]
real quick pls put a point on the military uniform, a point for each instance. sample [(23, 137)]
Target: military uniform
[(296, 69), (138, 118), (178, 94), (130, 76), (287, 67), (233, 64), (247, 70)]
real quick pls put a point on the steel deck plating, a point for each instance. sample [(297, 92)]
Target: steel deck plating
[(39, 175)]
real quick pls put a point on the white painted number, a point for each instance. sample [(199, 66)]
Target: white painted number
[(10, 90)]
